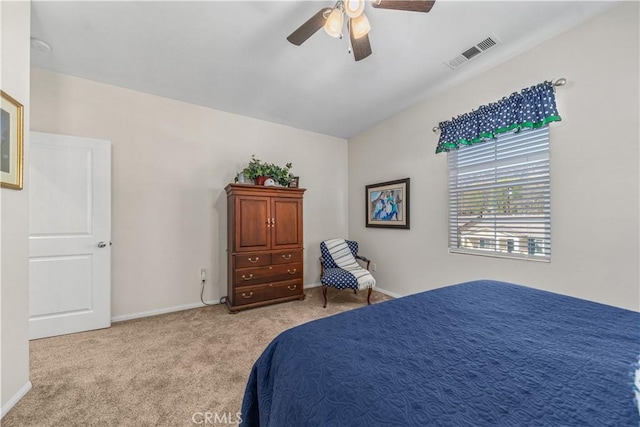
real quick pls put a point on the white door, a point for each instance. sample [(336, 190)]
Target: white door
[(69, 234)]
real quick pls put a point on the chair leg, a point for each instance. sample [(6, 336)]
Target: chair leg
[(324, 294), (355, 291), (369, 296)]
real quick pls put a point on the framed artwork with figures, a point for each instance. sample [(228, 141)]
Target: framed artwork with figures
[(387, 204)]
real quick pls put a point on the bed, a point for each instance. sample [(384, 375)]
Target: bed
[(478, 353)]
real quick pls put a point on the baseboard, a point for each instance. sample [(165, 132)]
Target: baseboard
[(165, 310), (155, 312), (15, 399), (382, 291), (312, 285), (386, 292)]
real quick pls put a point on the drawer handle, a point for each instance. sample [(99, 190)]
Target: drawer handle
[(292, 272), (292, 288), (247, 296), (288, 256), (253, 261), (247, 278)]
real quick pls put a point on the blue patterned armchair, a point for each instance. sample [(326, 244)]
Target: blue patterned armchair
[(336, 277)]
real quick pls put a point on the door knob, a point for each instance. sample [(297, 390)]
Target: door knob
[(102, 244)]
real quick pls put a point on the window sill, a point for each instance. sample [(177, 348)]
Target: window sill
[(492, 254)]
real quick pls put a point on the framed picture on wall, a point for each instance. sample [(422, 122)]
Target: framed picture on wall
[(11, 145), (387, 204)]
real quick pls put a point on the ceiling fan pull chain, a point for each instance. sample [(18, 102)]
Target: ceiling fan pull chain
[(349, 47), (340, 6)]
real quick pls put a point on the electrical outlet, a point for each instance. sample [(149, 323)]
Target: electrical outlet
[(374, 267), (203, 274)]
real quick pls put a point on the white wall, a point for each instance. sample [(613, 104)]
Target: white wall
[(171, 162), (14, 209), (594, 172)]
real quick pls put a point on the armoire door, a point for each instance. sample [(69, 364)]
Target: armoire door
[(252, 223), (287, 220)]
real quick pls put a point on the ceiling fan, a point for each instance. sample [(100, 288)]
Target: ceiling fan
[(332, 20)]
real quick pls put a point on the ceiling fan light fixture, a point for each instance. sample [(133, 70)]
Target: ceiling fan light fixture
[(353, 8), (334, 23), (360, 26)]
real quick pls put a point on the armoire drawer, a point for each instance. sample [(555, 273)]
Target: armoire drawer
[(249, 260), (286, 257), (272, 273), (287, 288), (268, 291)]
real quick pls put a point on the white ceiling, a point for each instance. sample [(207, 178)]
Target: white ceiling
[(234, 56)]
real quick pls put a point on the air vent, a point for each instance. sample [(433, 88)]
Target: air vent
[(470, 53), (486, 44), (473, 51)]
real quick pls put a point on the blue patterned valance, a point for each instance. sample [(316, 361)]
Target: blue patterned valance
[(530, 108)]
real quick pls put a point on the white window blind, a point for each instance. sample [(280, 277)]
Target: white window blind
[(499, 197)]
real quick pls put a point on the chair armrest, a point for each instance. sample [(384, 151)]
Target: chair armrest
[(364, 259)]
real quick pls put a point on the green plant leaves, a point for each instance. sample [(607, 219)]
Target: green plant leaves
[(257, 167)]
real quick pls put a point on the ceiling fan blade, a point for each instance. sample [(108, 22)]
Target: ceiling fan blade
[(409, 5), (361, 47), (310, 27)]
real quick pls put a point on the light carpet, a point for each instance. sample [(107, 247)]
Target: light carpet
[(161, 370)]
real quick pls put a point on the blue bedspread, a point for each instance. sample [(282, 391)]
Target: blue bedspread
[(479, 353)]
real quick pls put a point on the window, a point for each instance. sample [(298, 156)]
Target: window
[(485, 244), (510, 245), (499, 192), (533, 246)]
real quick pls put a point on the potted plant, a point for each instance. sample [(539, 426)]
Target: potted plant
[(259, 171)]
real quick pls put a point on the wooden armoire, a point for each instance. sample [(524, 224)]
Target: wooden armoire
[(264, 249)]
